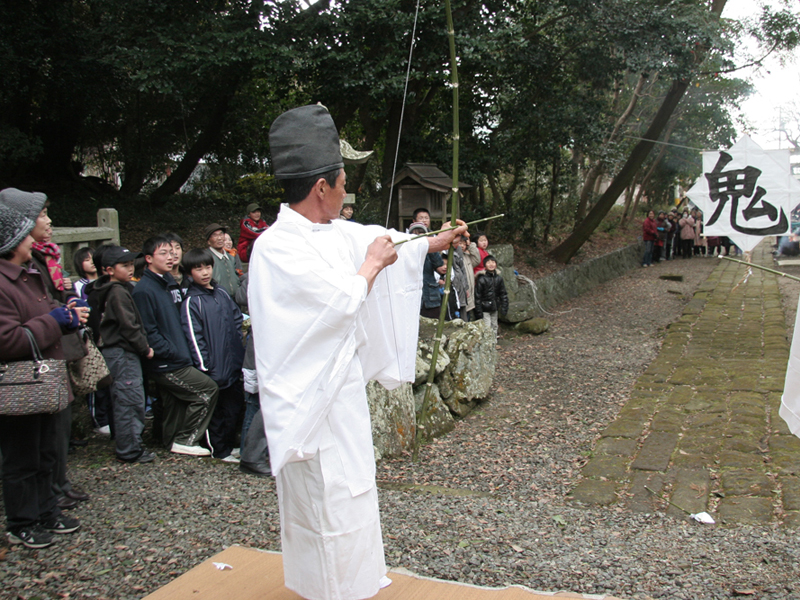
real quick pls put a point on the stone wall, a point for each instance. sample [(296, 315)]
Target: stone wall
[(464, 374), (468, 356), (528, 299)]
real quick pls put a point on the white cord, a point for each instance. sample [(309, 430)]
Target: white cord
[(402, 113), (536, 299)]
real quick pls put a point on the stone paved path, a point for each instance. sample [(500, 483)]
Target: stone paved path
[(701, 427)]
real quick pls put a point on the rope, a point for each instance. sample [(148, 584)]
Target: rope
[(402, 113), (538, 304)]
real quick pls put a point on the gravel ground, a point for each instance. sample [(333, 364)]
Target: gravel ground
[(488, 504)]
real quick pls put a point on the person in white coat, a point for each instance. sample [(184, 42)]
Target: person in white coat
[(328, 314)]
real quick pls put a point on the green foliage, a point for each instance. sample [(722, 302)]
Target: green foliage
[(135, 89)]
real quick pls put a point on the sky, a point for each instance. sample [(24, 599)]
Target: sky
[(775, 84)]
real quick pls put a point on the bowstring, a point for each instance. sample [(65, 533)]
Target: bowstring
[(394, 172), (402, 112)]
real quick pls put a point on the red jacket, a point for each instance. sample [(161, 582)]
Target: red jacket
[(649, 230), (249, 231)]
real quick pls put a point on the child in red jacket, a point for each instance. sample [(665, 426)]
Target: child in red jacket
[(252, 226)]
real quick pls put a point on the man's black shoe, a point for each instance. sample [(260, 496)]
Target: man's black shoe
[(77, 494), (257, 469), (66, 503)]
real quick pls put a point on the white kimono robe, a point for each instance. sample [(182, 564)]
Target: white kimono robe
[(790, 401), (319, 337)]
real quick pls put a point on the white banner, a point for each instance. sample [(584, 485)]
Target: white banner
[(745, 193)]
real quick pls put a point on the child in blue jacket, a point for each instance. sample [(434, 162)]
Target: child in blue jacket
[(212, 323)]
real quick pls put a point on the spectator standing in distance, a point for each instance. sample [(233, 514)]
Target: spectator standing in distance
[(224, 264), (84, 267), (234, 254), (470, 260), (176, 242), (421, 215), (669, 243), (482, 246), (686, 224), (123, 341), (662, 227), (189, 396), (700, 244), (254, 459), (250, 228), (348, 207), (212, 323), (432, 269), (99, 402), (649, 236), (491, 297)]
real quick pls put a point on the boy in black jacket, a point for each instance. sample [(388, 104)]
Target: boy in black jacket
[(122, 341), (189, 396), (490, 294), (212, 323)]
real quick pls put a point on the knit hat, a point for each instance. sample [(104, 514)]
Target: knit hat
[(417, 227), (14, 227), (29, 204), (252, 207), (304, 142), (212, 228)]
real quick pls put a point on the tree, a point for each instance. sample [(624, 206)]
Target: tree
[(684, 70)]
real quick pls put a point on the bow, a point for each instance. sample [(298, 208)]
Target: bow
[(426, 403)]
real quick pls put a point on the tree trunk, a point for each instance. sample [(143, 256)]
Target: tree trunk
[(553, 194), (638, 196), (210, 135), (628, 199), (651, 171), (598, 168), (567, 249)]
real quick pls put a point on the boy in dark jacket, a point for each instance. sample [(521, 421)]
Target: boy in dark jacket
[(123, 341), (490, 294), (212, 323), (189, 396)]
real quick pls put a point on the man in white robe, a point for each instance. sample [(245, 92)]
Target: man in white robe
[(327, 316)]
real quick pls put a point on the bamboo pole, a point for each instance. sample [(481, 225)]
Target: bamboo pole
[(453, 216), (749, 264)]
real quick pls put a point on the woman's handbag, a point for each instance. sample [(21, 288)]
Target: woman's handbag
[(30, 387), (89, 373)]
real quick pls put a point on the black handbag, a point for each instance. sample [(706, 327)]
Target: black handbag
[(29, 387)]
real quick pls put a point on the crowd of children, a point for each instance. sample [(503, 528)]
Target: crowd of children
[(170, 326), (477, 292)]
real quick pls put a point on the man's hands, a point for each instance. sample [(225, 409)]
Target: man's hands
[(442, 241), (380, 254)]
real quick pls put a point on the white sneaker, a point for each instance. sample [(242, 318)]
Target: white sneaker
[(189, 450), (104, 430), (237, 452), (230, 459)]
